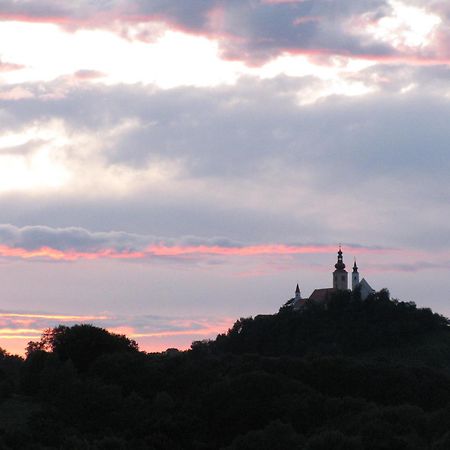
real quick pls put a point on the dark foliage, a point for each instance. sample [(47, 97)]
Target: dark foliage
[(355, 375), (346, 325), (81, 344)]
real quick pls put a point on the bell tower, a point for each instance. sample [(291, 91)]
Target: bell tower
[(340, 275), (355, 276)]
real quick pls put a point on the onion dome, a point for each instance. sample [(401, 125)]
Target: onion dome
[(340, 263)]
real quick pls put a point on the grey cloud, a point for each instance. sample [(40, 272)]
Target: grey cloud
[(238, 131), (168, 215), (79, 239), (251, 145), (413, 267), (34, 237), (83, 240)]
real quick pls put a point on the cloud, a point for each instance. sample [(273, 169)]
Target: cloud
[(236, 131), (70, 244), (246, 161), (254, 31), (86, 74), (8, 67), (411, 267)]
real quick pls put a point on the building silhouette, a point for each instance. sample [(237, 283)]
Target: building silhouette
[(340, 283)]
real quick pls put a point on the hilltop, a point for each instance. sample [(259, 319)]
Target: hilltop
[(345, 326), (350, 374)]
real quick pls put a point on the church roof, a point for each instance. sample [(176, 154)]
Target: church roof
[(365, 289), (321, 295), (365, 284), (298, 303)]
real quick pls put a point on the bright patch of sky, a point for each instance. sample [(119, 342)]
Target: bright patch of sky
[(30, 159), (408, 27), (174, 59), (47, 52)]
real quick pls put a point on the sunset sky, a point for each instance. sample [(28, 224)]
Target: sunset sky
[(168, 166)]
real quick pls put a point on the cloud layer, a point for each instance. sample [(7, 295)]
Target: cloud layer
[(77, 243), (251, 30), (241, 160)]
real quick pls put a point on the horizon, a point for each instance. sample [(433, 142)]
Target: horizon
[(166, 167)]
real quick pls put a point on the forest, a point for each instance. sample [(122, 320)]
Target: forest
[(347, 375)]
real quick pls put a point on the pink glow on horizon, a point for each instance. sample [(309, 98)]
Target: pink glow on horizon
[(52, 316), (177, 332), (50, 253), (207, 329)]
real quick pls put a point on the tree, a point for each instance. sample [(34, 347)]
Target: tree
[(82, 344)]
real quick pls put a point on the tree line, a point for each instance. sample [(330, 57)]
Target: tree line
[(346, 375)]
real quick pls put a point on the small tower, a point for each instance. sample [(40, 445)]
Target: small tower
[(340, 275), (298, 295), (355, 276)]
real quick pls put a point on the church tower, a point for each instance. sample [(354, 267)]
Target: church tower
[(355, 276), (340, 275), (298, 295)]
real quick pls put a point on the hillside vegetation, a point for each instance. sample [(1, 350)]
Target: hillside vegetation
[(353, 375)]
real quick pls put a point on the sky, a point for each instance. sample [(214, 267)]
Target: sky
[(168, 166)]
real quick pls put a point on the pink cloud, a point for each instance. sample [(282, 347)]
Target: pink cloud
[(88, 74), (9, 67), (49, 253), (60, 317), (15, 93), (22, 17)]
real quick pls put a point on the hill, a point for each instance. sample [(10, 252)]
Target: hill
[(345, 326), (352, 375)]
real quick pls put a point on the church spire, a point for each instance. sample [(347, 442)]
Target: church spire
[(340, 276), (297, 292), (355, 276), (340, 261)]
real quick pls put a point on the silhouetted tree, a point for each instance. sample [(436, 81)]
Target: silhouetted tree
[(82, 344)]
